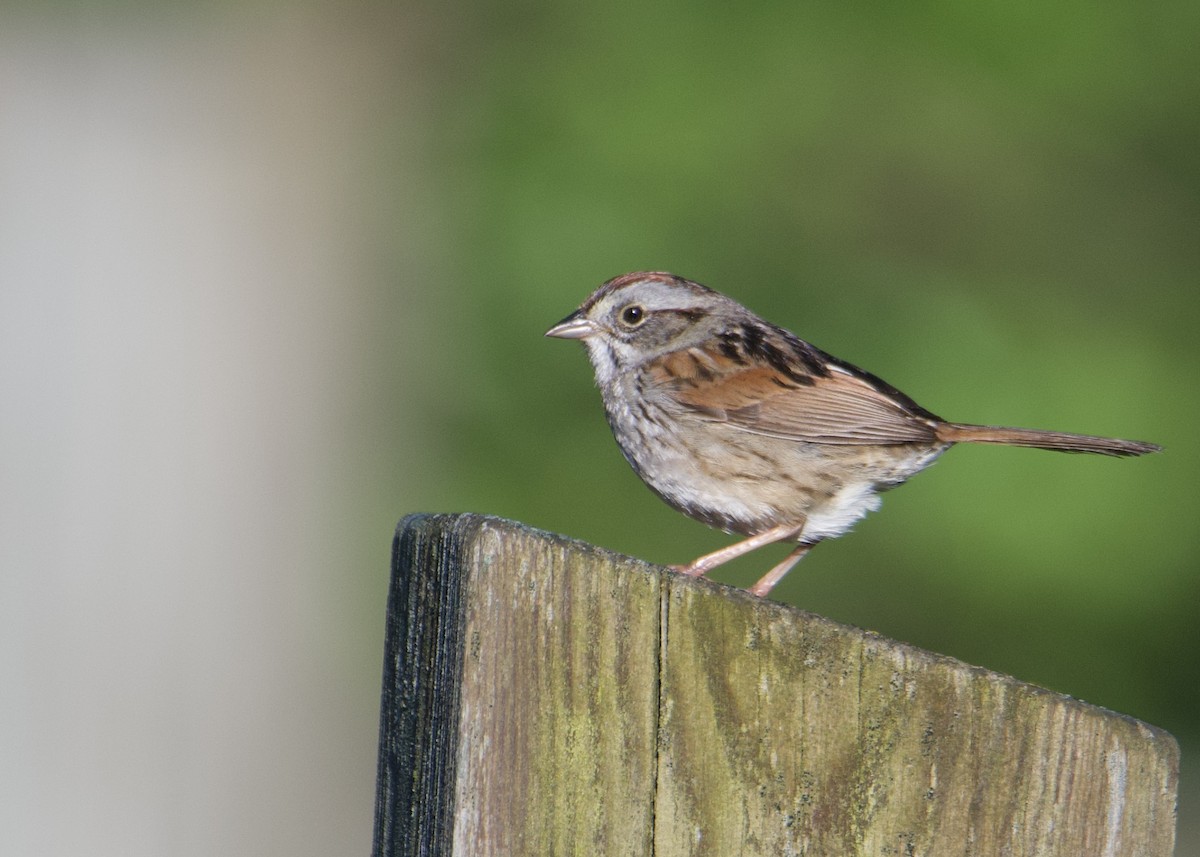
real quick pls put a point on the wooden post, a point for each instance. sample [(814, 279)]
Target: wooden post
[(543, 697)]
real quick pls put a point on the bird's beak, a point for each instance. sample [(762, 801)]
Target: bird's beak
[(574, 326)]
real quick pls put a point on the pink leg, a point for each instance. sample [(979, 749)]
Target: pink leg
[(709, 561), (772, 577)]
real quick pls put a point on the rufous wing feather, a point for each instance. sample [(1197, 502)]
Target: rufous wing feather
[(838, 408)]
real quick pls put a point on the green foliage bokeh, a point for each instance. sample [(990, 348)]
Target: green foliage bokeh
[(995, 207)]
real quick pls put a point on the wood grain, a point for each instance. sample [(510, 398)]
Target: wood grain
[(552, 698)]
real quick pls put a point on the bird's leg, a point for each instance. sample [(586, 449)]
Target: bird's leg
[(772, 577), (709, 561)]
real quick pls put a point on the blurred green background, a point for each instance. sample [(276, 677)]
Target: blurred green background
[(272, 276)]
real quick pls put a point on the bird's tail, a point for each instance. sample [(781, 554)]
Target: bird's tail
[(1062, 441)]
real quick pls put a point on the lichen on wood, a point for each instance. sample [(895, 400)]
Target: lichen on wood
[(604, 706)]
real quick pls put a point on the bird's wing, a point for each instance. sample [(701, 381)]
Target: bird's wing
[(842, 406)]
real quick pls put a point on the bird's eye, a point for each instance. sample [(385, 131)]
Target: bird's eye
[(633, 315)]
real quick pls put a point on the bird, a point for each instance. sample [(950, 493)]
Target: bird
[(740, 424)]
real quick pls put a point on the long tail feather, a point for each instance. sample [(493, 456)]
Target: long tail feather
[(1057, 440)]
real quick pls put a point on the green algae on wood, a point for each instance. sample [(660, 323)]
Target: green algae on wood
[(557, 699)]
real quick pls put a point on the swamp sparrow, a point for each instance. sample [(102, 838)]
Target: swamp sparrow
[(738, 423)]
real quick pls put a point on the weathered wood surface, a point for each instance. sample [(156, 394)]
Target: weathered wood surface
[(544, 697)]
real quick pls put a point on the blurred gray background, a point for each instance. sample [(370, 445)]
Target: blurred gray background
[(274, 275)]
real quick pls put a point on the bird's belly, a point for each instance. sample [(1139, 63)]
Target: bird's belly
[(746, 483)]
